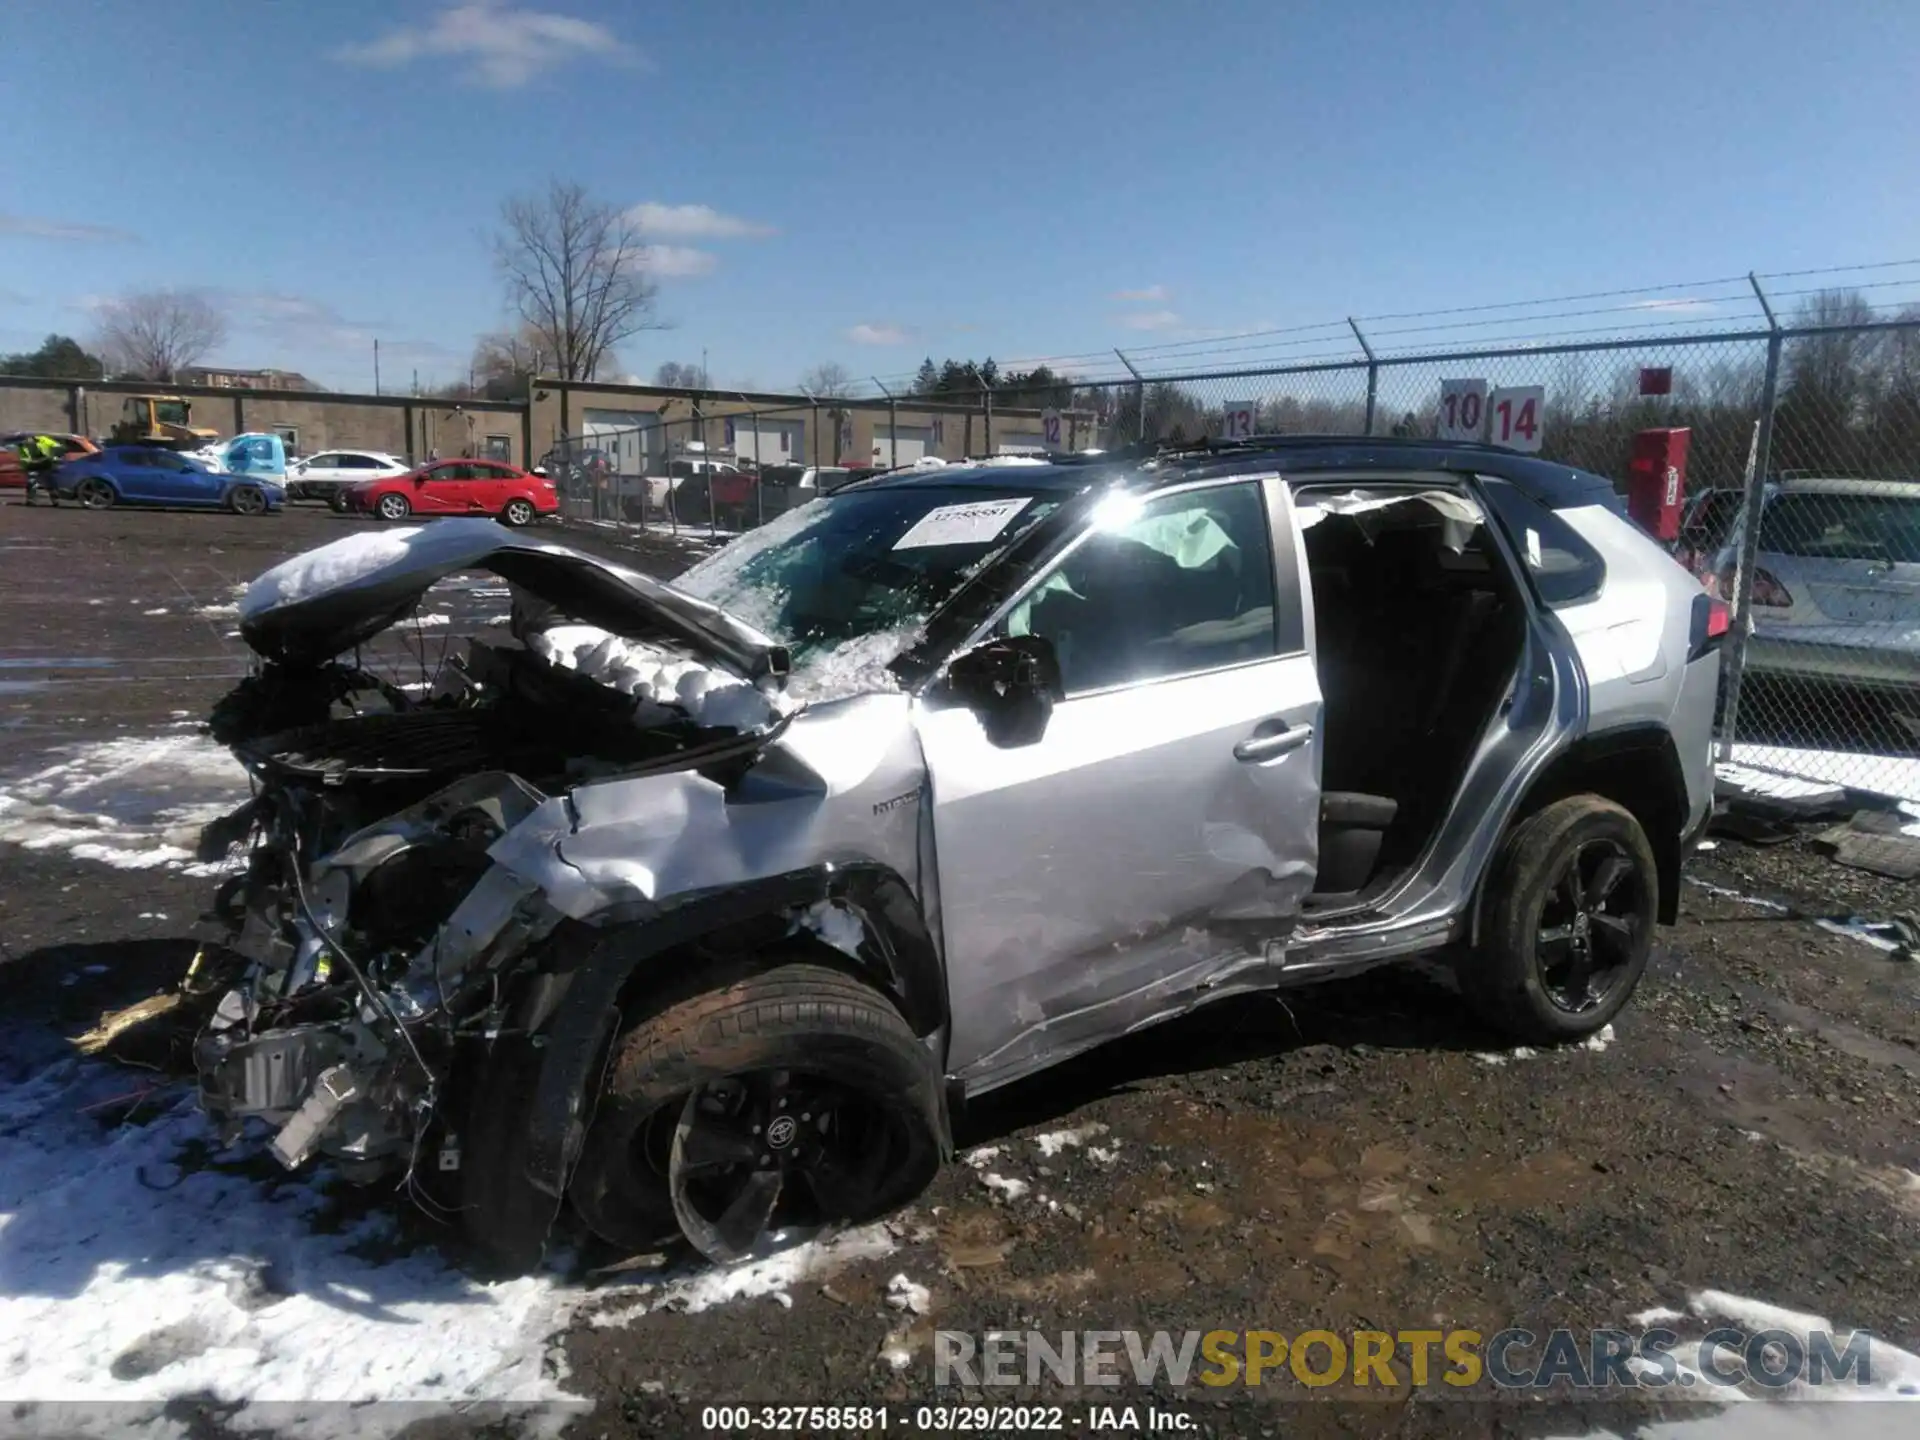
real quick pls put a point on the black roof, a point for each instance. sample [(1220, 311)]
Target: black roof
[(1298, 457)]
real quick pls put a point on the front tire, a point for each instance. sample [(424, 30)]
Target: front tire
[(1566, 924), (95, 494), (517, 513), (782, 1101), (393, 507)]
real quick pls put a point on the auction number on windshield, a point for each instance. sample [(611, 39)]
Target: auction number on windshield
[(1515, 417)]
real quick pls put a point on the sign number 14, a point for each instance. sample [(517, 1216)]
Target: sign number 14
[(1514, 417)]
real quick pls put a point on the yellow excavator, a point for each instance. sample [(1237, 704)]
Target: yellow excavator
[(165, 420)]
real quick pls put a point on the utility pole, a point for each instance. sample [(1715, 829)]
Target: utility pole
[(376, 365), (893, 429)]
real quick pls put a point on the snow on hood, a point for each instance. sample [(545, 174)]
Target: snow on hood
[(312, 607)]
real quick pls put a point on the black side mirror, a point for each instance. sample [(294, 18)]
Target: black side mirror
[(1011, 683)]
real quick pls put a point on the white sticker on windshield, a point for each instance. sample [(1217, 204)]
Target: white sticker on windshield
[(973, 523)]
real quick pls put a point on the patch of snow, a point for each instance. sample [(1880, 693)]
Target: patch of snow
[(1658, 1315), (138, 1273), (1724, 893), (1599, 1040), (834, 924), (219, 612), (897, 1350), (157, 610), (1104, 1154), (328, 567), (133, 803), (1001, 1185), (908, 1295), (981, 1156), (704, 1288), (1895, 1377), (1890, 775), (1003, 462), (1862, 931), (1054, 1141), (429, 619)]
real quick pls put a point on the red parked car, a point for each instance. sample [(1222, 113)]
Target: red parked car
[(459, 487)]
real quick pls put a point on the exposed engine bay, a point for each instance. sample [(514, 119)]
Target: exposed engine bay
[(377, 944)]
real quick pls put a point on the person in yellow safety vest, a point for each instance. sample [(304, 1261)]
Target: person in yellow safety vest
[(39, 454)]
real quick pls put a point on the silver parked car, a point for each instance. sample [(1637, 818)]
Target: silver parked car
[(1836, 583), (698, 908), (330, 474)]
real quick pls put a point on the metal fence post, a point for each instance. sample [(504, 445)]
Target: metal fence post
[(1750, 516), (1139, 396), (759, 479), (986, 396), (1373, 370)]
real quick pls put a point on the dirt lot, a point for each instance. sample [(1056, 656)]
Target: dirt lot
[(1357, 1156)]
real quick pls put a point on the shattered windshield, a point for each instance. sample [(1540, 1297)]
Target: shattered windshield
[(864, 561)]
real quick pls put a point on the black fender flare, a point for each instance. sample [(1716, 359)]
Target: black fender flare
[(905, 962)]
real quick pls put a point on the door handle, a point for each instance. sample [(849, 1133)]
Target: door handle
[(1266, 747)]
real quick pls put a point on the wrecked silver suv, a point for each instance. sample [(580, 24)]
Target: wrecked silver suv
[(697, 907)]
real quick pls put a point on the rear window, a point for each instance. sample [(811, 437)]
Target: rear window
[(1843, 527), (1565, 568)]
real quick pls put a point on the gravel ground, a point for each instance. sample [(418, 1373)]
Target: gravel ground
[(1360, 1155)]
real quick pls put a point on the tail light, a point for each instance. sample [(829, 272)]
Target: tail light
[(1711, 620)]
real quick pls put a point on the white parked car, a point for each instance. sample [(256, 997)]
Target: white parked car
[(328, 475)]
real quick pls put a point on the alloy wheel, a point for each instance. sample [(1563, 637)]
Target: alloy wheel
[(96, 494), (759, 1155), (1589, 926)]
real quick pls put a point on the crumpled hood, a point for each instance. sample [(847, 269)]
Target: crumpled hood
[(324, 601)]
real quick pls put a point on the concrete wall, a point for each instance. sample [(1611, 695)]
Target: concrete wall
[(416, 426), (402, 425)]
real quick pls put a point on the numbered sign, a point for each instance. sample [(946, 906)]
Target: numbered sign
[(1239, 420), (1050, 429), (1463, 410), (1516, 417)]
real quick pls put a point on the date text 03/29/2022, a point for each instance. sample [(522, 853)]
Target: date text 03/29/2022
[(937, 1419)]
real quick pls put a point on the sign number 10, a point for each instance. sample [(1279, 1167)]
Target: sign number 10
[(1463, 411)]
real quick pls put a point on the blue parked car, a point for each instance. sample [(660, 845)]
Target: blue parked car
[(147, 475)]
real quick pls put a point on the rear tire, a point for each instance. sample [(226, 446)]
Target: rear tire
[(801, 1036), (95, 494), (337, 502), (517, 513), (1566, 922), (247, 500)]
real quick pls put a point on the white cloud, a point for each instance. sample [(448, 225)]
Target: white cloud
[(39, 227), (1151, 320), (677, 262), (694, 222), (499, 45), (1148, 295), (882, 334)]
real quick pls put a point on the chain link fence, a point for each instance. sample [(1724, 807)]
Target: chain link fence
[(1802, 486)]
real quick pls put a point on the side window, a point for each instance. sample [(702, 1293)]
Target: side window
[(1565, 568), (1184, 585)]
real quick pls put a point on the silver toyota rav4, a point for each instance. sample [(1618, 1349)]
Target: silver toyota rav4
[(699, 908)]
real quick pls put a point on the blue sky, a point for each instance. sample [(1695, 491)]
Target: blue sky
[(869, 183)]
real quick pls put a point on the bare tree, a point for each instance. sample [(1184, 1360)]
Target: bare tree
[(575, 271), (677, 376), (154, 334), (829, 380), (506, 361)]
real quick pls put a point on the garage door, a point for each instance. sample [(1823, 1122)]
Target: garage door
[(908, 443), (781, 441), (1019, 442), (631, 437)]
